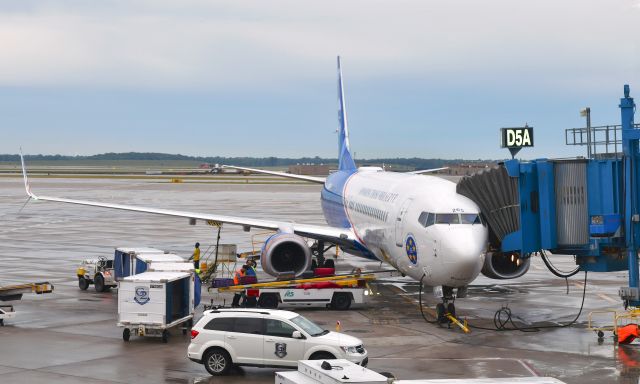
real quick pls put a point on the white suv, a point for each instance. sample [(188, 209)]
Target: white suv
[(266, 338)]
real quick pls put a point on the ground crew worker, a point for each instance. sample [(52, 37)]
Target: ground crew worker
[(237, 276), (250, 270), (196, 256)]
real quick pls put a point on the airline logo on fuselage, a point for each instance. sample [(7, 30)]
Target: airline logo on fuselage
[(411, 249)]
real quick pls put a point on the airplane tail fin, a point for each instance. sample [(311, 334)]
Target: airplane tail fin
[(345, 160)]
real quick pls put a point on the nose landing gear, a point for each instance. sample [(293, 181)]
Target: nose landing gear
[(446, 309), (443, 309)]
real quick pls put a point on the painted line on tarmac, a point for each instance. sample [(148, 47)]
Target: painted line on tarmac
[(519, 361), (607, 298)]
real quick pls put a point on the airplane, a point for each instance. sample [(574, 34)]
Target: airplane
[(417, 223)]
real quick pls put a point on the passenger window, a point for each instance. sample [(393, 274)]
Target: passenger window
[(224, 324), (470, 218), (278, 328), (447, 218), (248, 325)]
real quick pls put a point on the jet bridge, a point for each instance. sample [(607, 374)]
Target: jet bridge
[(585, 207)]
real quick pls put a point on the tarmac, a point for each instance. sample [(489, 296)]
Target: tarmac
[(70, 336)]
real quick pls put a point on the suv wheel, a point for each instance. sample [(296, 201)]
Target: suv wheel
[(322, 356), (217, 362)]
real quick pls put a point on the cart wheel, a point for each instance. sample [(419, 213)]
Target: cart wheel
[(98, 282), (600, 335), (341, 301), (184, 331), (1, 322), (165, 336), (268, 300), (83, 283), (126, 334)]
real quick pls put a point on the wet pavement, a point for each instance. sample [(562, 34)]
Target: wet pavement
[(70, 335)]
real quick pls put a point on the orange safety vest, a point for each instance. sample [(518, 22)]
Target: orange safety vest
[(236, 276)]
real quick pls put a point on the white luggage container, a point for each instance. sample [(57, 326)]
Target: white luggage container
[(152, 302), (136, 261)]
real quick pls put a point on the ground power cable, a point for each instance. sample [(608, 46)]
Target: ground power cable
[(554, 270), (420, 301), (504, 316)]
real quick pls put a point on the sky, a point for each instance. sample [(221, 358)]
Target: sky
[(422, 78)]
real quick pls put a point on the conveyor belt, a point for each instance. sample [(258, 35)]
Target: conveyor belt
[(14, 292), (497, 196)]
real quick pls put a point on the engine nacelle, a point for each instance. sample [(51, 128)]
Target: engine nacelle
[(505, 265), (285, 252)]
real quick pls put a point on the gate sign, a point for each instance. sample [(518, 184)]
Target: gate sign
[(517, 137)]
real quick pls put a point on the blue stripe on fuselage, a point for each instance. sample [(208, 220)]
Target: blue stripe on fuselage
[(332, 199), (335, 213)]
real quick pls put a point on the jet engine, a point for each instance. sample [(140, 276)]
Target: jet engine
[(505, 265), (285, 252)]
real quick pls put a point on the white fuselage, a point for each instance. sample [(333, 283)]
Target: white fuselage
[(385, 208)]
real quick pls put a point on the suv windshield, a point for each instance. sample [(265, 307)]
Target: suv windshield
[(309, 326)]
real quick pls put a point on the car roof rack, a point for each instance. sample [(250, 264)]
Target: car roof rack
[(227, 310)]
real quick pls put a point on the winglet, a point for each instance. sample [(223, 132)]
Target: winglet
[(27, 186)]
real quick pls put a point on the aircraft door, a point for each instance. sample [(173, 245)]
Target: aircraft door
[(399, 222)]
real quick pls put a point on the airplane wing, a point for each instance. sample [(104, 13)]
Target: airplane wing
[(313, 179), (426, 171), (341, 236)]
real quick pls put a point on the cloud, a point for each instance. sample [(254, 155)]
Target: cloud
[(226, 44)]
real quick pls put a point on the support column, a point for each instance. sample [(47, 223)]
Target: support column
[(632, 225)]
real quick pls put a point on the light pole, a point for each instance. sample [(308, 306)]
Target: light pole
[(587, 113)]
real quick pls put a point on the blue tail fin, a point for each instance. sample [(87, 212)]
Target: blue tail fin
[(345, 160)]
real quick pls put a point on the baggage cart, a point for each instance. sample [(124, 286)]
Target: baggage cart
[(151, 303), (132, 261)]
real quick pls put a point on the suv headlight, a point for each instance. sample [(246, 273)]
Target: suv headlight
[(349, 350)]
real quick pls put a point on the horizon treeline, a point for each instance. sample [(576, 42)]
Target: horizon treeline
[(241, 161)]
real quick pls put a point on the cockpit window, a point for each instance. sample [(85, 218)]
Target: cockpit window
[(423, 218), (470, 218), (447, 218), (427, 219)]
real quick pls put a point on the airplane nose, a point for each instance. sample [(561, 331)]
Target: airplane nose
[(462, 254), (467, 251)]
